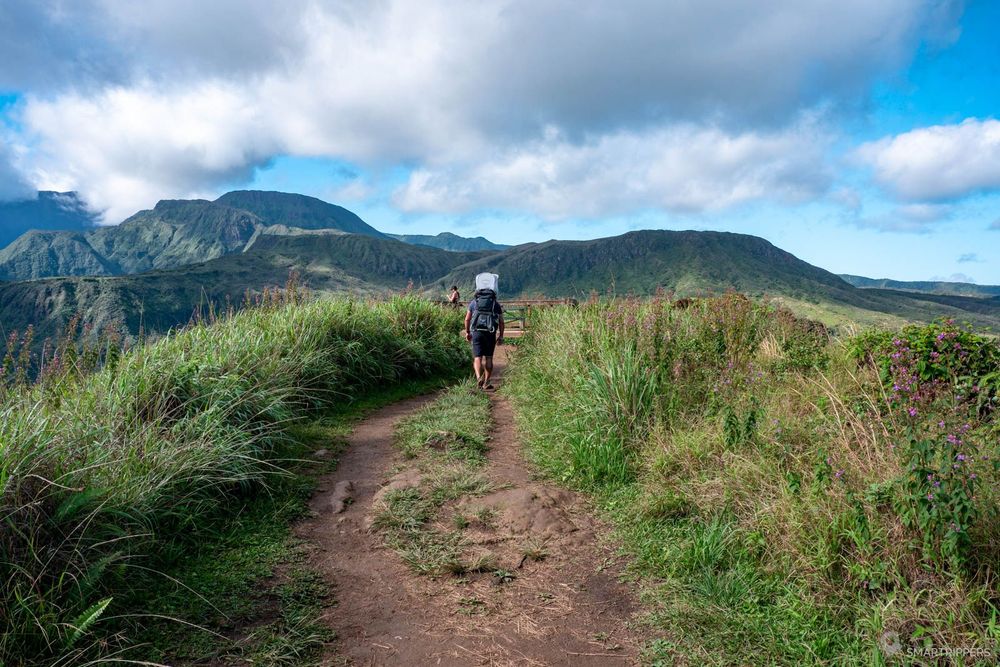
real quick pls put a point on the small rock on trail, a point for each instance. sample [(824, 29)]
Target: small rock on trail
[(336, 501)]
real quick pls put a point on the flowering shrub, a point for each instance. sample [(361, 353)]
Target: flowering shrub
[(943, 352), (935, 377)]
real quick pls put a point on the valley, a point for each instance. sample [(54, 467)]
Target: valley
[(160, 268)]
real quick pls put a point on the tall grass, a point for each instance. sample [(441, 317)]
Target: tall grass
[(762, 478), (104, 476)]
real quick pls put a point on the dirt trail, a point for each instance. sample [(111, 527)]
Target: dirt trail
[(567, 609)]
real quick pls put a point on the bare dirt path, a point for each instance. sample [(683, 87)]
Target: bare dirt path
[(566, 609)]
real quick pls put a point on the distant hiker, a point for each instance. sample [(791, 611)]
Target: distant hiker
[(454, 299), (484, 327)]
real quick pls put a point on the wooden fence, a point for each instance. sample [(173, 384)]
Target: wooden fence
[(516, 312)]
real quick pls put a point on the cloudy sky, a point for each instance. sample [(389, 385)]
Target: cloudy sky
[(861, 136)]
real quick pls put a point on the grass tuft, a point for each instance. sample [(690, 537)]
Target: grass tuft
[(782, 495)]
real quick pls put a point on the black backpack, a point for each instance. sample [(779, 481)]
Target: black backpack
[(484, 315)]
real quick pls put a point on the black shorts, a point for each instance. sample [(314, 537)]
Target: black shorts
[(483, 343)]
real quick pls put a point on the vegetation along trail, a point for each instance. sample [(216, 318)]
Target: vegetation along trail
[(442, 548)]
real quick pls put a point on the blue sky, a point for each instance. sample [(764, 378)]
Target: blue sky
[(862, 137)]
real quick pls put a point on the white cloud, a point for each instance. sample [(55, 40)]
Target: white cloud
[(918, 218), (13, 184), (127, 148), (183, 97), (938, 162), (969, 258), (165, 39), (355, 191), (683, 168)]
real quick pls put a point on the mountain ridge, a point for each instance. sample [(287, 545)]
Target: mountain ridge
[(639, 263), (449, 241), (295, 210), (175, 232), (686, 261), (924, 286)]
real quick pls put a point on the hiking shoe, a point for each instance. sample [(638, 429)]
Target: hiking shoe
[(489, 386), (479, 384)]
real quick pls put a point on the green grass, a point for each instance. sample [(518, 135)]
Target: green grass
[(446, 443), (457, 425), (226, 587), (753, 473), (108, 480), (247, 595)]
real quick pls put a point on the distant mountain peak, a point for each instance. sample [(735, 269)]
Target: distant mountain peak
[(946, 287), (174, 204), (70, 199), (175, 232), (450, 241), (269, 195), (300, 211)]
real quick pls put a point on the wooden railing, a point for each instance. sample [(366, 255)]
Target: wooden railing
[(517, 311)]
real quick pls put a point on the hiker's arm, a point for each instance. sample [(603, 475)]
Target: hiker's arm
[(500, 332), (468, 320)]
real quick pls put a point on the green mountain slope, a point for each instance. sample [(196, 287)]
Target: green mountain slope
[(639, 262), (282, 208), (174, 233), (48, 211), (692, 263), (159, 300), (381, 262), (449, 241), (38, 253), (930, 286)]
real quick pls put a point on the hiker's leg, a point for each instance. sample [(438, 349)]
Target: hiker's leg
[(477, 366), (487, 369)]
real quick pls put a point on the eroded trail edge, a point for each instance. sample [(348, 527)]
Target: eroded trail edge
[(565, 608)]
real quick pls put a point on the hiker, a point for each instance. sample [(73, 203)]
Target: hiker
[(454, 299), (484, 327)]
